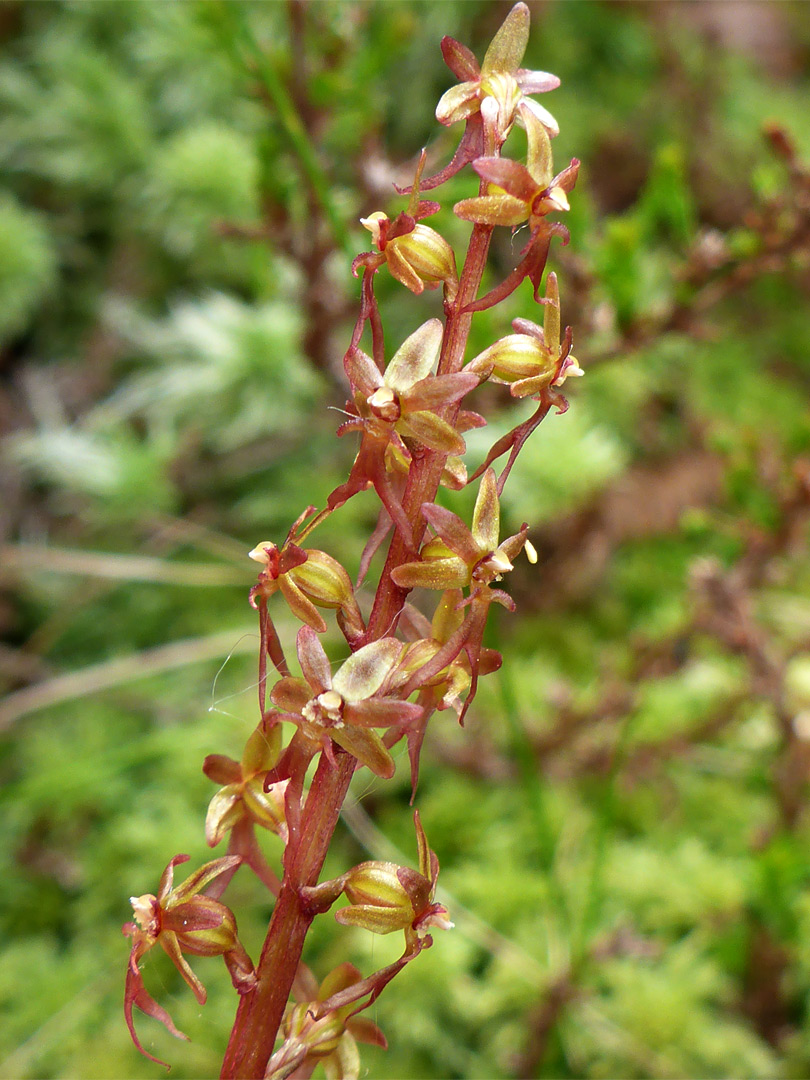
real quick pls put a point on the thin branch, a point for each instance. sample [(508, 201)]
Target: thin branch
[(39, 558), (124, 669)]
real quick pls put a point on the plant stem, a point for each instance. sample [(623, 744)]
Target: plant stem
[(260, 1012), (426, 471)]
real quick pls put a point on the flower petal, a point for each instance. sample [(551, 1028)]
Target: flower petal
[(437, 390), (458, 103), (433, 574), (367, 747), (378, 920), (339, 978), (290, 694), (516, 356), (313, 660), (402, 270), (487, 513), (509, 44), (415, 358), (460, 59), (381, 712), (362, 675), (433, 432), (536, 82), (514, 178), (197, 881), (262, 750), (551, 320), (170, 944), (454, 533), (221, 769), (492, 210), (300, 605), (542, 114), (224, 811), (362, 372), (538, 152), (266, 808)]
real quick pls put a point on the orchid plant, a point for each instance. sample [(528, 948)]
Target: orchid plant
[(411, 412)]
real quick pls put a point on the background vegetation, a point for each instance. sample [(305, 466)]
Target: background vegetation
[(623, 824)]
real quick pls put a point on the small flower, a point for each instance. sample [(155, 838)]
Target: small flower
[(496, 89), (345, 708), (244, 794), (531, 359), (406, 396), (384, 897), (397, 408), (445, 687), (182, 920), (459, 557), (499, 77), (329, 1038), (518, 192), (417, 256), (305, 577)]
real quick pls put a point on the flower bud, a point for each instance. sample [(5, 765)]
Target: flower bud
[(379, 902), (324, 580), (427, 256), (516, 356)]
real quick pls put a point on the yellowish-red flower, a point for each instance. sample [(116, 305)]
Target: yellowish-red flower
[(416, 255), (243, 794), (400, 408), (384, 897), (533, 358), (346, 707), (500, 77), (305, 577), (326, 1037), (459, 557), (516, 192), (404, 398), (181, 919)]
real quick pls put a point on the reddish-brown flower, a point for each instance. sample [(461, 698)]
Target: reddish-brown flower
[(345, 707), (307, 579), (533, 358), (417, 256), (384, 897), (494, 89), (519, 193), (459, 557), (327, 1037), (400, 408), (182, 920), (500, 77)]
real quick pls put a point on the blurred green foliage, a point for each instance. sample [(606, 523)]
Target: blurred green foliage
[(622, 826)]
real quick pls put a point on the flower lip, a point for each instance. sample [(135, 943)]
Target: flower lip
[(326, 709), (268, 553), (384, 403), (495, 564), (434, 915), (147, 913), (374, 223)]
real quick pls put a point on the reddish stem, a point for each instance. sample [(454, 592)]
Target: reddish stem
[(260, 1012)]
